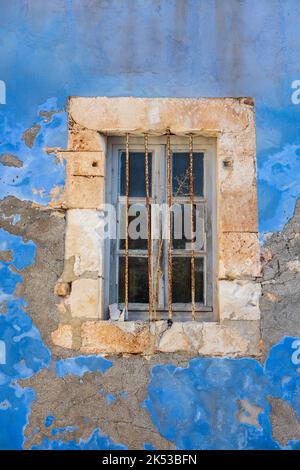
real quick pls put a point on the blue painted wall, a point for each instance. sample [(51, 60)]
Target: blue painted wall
[(51, 49)]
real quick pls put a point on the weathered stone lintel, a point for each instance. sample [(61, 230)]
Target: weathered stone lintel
[(116, 116), (232, 338)]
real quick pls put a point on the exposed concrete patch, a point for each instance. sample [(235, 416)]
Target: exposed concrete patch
[(8, 159), (86, 407), (6, 256), (47, 115), (45, 227), (249, 413), (280, 301), (30, 135), (285, 424)]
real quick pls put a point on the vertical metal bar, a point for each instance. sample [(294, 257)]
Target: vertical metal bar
[(148, 225), (191, 175), (169, 198), (126, 220)]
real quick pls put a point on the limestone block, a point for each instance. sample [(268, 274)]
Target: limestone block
[(84, 192), (238, 143), (118, 115), (239, 255), (85, 163), (113, 337), (239, 300), (84, 297), (63, 336), (236, 172), (80, 138), (62, 289), (235, 338), (238, 210), (180, 337), (83, 241)]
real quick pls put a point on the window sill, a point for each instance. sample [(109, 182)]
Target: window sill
[(228, 338)]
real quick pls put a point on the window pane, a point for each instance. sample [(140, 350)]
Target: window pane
[(138, 290), (181, 227), (180, 174), (137, 181), (181, 284), (138, 227)]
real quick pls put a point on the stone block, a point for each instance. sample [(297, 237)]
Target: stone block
[(239, 255), (85, 163), (84, 298), (63, 336), (238, 143), (236, 172), (83, 241), (235, 338), (84, 192), (181, 116), (238, 210), (180, 337), (62, 289), (82, 139), (116, 338), (239, 300)]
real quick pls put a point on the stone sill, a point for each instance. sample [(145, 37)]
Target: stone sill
[(229, 338)]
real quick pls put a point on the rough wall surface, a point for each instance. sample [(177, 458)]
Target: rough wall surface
[(175, 48)]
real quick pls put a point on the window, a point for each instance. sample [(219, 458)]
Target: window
[(190, 251), (227, 263)]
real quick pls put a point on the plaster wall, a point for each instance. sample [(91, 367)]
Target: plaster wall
[(158, 48)]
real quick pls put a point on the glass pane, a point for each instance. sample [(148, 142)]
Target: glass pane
[(181, 285), (138, 290), (138, 227), (181, 227), (137, 181), (180, 174)]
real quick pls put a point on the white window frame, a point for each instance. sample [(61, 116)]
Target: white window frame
[(157, 146)]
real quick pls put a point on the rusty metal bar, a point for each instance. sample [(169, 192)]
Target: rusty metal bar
[(169, 198), (146, 143), (126, 221), (191, 177)]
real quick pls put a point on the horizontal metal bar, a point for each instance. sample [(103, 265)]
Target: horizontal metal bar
[(142, 316), (175, 253), (180, 307)]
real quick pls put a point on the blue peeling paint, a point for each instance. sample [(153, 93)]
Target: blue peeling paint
[(95, 442), (198, 407), (25, 353), (110, 398), (80, 365), (159, 48), (49, 421)]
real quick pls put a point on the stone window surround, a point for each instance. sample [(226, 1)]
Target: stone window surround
[(81, 286)]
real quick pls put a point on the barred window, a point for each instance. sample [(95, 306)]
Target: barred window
[(160, 263)]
